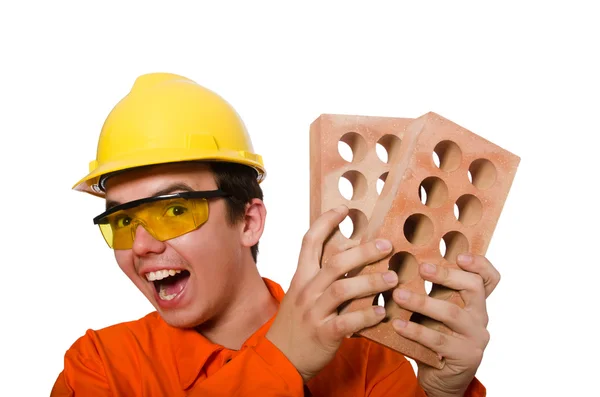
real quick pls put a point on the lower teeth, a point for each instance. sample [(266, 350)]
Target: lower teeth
[(163, 294)]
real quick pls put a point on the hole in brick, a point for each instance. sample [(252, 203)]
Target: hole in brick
[(387, 148), (436, 159), (353, 225), (449, 156), (345, 187), (428, 285), (381, 152), (381, 182), (405, 265), (469, 209), (456, 211), (433, 192), (384, 300), (345, 151), (455, 243), (482, 174), (423, 195), (418, 229), (442, 247), (352, 147), (352, 185)]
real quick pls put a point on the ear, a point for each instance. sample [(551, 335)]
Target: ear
[(254, 222)]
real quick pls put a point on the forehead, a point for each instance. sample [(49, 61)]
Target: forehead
[(166, 178)]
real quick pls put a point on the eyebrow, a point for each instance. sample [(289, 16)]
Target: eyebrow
[(176, 187)]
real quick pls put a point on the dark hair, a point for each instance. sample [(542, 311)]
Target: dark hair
[(240, 181)]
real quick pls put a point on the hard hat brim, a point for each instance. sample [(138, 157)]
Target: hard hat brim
[(90, 183)]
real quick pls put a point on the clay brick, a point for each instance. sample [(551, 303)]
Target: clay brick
[(401, 213), (327, 166)]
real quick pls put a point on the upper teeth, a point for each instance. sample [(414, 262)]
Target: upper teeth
[(160, 274)]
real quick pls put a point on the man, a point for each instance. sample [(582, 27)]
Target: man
[(184, 215)]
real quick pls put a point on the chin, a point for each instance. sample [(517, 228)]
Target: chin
[(182, 320)]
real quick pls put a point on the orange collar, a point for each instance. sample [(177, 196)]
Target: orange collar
[(192, 350)]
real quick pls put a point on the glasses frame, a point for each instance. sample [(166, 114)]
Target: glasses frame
[(206, 194)]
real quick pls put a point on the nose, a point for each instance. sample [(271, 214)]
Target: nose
[(144, 243)]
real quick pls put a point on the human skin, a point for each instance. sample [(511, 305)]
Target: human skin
[(309, 330), (216, 303), (217, 255)]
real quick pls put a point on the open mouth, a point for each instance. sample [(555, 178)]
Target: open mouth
[(168, 282)]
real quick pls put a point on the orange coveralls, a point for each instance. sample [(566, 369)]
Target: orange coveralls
[(147, 357)]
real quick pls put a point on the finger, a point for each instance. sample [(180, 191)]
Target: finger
[(453, 316), (480, 265), (312, 243), (469, 285), (446, 346), (345, 261), (342, 326), (354, 287)]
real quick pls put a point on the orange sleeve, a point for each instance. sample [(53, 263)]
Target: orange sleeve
[(262, 370), (400, 383), (81, 376)]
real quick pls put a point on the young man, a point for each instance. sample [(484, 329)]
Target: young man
[(184, 215)]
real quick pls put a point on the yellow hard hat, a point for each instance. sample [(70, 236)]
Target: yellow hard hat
[(167, 118)]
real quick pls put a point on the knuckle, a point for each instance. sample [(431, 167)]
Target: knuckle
[(307, 317), (486, 337), (302, 298), (442, 273), (334, 265), (340, 326), (476, 284), (417, 300), (440, 340), (338, 290), (309, 238), (497, 277), (454, 312), (486, 320), (374, 280), (368, 317)]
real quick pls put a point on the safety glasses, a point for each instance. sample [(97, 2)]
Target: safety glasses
[(164, 217)]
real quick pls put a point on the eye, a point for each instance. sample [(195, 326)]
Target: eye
[(176, 210), (123, 221)]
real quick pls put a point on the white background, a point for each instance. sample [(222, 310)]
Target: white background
[(524, 76)]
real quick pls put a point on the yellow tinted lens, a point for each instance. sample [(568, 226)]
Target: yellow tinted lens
[(164, 220), (117, 230), (170, 218)]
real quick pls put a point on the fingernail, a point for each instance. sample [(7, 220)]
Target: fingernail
[(429, 268), (379, 310), (399, 323), (390, 277), (341, 209), (383, 245), (465, 259), (402, 294)]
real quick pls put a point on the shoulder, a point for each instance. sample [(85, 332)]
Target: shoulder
[(112, 339)]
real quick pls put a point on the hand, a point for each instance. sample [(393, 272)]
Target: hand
[(308, 329), (463, 350)]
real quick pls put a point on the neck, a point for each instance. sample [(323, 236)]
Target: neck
[(250, 305)]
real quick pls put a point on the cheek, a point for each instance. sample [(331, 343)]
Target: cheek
[(125, 261), (212, 246)]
